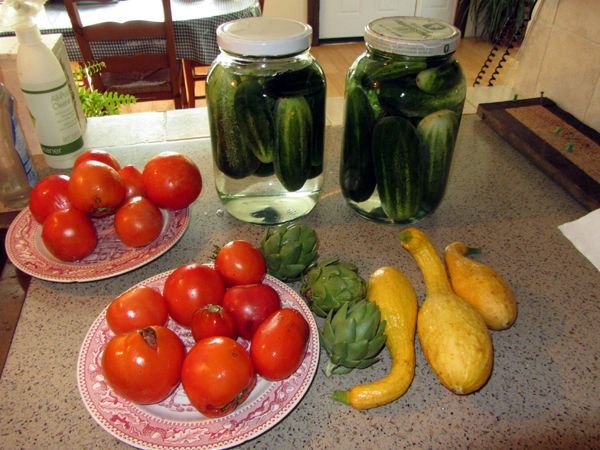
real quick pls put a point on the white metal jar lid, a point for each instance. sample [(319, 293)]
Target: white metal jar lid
[(264, 36), (412, 36)]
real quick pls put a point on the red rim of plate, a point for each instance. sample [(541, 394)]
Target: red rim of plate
[(26, 250), (149, 427)]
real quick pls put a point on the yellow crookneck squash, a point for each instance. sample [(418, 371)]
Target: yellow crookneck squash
[(393, 293), (453, 335), (481, 286)]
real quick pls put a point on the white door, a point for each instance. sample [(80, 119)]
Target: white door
[(348, 18), (438, 9)]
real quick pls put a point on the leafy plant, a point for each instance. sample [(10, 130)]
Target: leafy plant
[(499, 21), (93, 102)]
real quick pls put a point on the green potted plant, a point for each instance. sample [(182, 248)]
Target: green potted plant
[(499, 21), (93, 102)]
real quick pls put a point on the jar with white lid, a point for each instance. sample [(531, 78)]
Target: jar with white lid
[(266, 106), (404, 98)]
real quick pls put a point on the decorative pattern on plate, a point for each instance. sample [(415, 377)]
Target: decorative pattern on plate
[(175, 423), (26, 250)]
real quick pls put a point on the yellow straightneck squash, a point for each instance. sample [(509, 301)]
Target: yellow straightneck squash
[(453, 335), (393, 293), (481, 286)]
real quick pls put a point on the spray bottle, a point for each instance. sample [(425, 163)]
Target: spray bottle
[(44, 86), (17, 174)]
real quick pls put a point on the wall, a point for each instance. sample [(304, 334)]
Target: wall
[(561, 57), (292, 9)]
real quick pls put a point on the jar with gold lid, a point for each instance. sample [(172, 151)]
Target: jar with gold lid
[(404, 98)]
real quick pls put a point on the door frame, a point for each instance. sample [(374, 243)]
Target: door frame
[(312, 17)]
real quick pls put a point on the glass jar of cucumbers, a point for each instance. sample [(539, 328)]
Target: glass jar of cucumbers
[(404, 98), (266, 105)]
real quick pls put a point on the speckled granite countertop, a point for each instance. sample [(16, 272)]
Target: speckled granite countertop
[(544, 390)]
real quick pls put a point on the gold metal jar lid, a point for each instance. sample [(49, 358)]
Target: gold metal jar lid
[(412, 36)]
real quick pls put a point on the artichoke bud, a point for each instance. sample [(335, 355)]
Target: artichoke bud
[(289, 249), (291, 252), (330, 284), (352, 336), (358, 350)]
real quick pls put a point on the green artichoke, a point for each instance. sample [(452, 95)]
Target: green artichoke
[(352, 336), (288, 250), (330, 284)]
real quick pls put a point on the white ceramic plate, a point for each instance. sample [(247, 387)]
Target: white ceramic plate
[(26, 250), (175, 423)]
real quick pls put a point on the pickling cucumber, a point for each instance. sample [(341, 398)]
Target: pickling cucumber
[(369, 70), (253, 111), (264, 170), (230, 152), (357, 177), (410, 101), (392, 70), (441, 78), (398, 167), (292, 83), (437, 133), (293, 141), (317, 108)]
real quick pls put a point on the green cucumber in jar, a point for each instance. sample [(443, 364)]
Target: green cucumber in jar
[(264, 170), (230, 152), (317, 108), (357, 174), (437, 133), (253, 110), (441, 78), (398, 167), (293, 141), (390, 70), (409, 101), (305, 81)]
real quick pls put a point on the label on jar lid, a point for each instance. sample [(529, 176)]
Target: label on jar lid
[(412, 36), (264, 36)]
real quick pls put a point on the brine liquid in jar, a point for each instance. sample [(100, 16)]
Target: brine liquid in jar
[(404, 98), (266, 104)]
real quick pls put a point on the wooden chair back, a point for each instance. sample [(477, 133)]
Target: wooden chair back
[(194, 72), (144, 74)]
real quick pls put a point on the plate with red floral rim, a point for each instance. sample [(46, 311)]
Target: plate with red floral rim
[(26, 249), (174, 423)]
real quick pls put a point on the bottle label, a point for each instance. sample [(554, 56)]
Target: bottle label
[(53, 113), (20, 145)]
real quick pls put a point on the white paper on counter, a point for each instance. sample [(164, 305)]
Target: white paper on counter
[(584, 233)]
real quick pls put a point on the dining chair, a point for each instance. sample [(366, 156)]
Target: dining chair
[(143, 72), (194, 73)]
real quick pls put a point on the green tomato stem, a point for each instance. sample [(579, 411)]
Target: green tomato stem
[(473, 251)]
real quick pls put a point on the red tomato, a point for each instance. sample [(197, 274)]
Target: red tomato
[(190, 287), (100, 156), (134, 183), (139, 307), (138, 222), (213, 320), (96, 188), (144, 366), (69, 234), (249, 305), (279, 344), (49, 195), (172, 180), (217, 375), (239, 262)]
